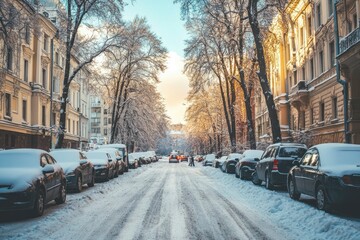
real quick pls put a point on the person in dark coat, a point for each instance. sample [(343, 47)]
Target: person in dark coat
[(192, 164)]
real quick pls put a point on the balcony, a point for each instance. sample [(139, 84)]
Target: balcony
[(350, 40), (299, 95)]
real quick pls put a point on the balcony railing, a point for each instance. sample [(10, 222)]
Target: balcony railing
[(350, 40)]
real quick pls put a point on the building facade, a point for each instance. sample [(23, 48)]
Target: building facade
[(301, 53), (31, 75)]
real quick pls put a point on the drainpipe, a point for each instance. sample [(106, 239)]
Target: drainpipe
[(338, 76), (51, 91)]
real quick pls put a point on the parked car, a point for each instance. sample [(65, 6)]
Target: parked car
[(199, 158), (103, 164), (330, 173), (229, 164), (30, 178), (133, 161), (246, 165), (78, 169), (276, 162), (117, 158), (121, 148), (219, 161), (208, 160), (183, 158), (173, 158)]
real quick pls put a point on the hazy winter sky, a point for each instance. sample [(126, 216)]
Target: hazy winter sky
[(164, 19)]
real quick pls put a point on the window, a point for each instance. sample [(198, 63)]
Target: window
[(105, 111), (355, 20), (312, 73), (295, 77), (334, 108), (311, 115), (105, 131), (318, 15), (309, 25), (27, 34), (56, 87), (62, 62), (43, 115), (26, 70), (306, 159), (290, 81), (105, 121), (53, 120), (57, 58), (331, 7), (46, 42), (332, 54), (24, 110), (301, 36), (44, 77), (77, 127), (73, 130), (321, 61), (322, 112), (109, 120), (9, 58), (7, 104), (293, 124), (68, 126), (303, 73), (302, 120)]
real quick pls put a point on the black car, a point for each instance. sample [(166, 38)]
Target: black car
[(78, 169), (30, 178), (275, 163), (246, 165), (103, 164), (328, 172), (229, 164)]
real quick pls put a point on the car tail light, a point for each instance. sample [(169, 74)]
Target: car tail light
[(347, 179), (275, 165)]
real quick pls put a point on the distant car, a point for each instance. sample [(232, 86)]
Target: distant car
[(183, 158), (229, 164), (275, 163), (219, 161), (133, 161), (30, 178), (103, 164), (246, 165), (208, 160), (117, 158), (173, 158), (330, 173), (198, 158), (78, 169)]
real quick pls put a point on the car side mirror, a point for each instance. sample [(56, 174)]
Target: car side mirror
[(256, 159), (82, 162), (118, 159), (109, 160), (296, 163), (236, 159), (48, 169)]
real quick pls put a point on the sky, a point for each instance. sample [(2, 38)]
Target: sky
[(164, 19)]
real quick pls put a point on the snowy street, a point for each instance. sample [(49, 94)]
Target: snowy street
[(174, 201)]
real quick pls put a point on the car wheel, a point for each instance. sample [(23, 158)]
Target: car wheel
[(293, 193), (39, 204), (321, 199), (241, 174), (255, 179), (62, 195), (78, 184), (268, 184), (92, 183)]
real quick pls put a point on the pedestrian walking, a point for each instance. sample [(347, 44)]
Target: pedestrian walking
[(192, 164)]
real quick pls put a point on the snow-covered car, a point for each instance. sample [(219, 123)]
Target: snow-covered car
[(274, 165), (117, 158), (219, 161), (246, 165), (229, 164), (330, 173), (208, 160), (173, 158), (122, 149), (30, 178), (78, 169), (133, 161), (102, 161)]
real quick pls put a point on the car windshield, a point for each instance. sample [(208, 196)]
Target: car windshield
[(292, 152), (96, 154), (64, 156), (253, 154), (18, 159), (341, 157)]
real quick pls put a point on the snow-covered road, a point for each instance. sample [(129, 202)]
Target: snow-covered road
[(174, 201)]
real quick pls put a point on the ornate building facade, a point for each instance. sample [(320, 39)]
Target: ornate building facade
[(301, 52)]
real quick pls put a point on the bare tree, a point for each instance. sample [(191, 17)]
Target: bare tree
[(101, 18)]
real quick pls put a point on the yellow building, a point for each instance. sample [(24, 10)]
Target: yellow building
[(27, 117), (301, 68)]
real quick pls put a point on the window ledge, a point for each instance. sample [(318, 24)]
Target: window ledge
[(335, 120), (8, 118)]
